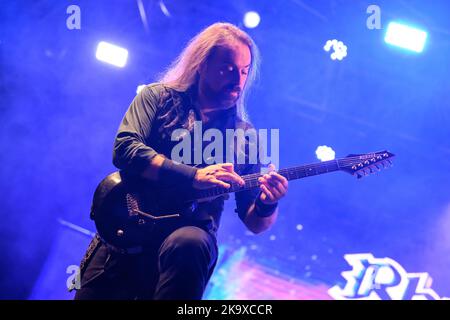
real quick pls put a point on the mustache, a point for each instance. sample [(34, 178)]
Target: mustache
[(233, 87)]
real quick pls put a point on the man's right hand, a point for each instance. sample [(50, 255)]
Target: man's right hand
[(216, 175)]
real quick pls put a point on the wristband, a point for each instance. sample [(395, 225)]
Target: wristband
[(175, 173), (264, 210)]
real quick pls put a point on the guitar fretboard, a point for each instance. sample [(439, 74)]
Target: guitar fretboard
[(251, 180)]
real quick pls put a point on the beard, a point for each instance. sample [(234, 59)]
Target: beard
[(223, 98)]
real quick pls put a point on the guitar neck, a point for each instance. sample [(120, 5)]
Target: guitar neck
[(251, 180)]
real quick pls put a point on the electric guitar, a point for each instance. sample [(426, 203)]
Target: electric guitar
[(127, 210)]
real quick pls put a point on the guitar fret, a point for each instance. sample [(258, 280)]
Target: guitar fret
[(251, 180)]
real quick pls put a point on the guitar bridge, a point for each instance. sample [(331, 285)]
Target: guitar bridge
[(133, 210)]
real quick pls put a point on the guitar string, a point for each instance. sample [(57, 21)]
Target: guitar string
[(251, 180), (339, 162)]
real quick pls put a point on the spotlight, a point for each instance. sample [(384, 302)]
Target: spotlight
[(405, 37), (339, 49), (325, 153), (251, 19), (111, 54)]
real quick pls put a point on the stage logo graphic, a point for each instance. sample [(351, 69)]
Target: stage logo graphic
[(381, 279)]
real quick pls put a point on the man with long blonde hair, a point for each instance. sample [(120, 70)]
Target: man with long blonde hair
[(207, 83)]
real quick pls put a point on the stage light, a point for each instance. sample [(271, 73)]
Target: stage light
[(251, 19), (140, 87), (325, 153), (405, 37), (111, 54), (164, 9), (339, 49)]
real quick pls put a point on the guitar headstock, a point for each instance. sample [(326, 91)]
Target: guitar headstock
[(361, 165)]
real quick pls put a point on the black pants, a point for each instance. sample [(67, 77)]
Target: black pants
[(177, 268)]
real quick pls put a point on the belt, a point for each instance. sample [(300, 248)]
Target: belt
[(130, 250)]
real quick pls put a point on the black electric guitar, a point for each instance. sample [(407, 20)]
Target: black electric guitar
[(127, 210)]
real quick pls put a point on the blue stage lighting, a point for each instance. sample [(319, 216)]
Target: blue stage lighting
[(405, 37), (251, 19), (112, 54)]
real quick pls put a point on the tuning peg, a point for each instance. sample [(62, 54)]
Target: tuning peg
[(385, 164)]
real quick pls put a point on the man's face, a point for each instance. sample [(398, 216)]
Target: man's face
[(223, 77)]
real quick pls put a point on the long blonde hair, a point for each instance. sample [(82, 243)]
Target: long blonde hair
[(183, 72)]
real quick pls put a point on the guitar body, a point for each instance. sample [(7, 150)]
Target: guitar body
[(130, 212)]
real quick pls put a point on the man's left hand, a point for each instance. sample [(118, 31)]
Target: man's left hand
[(273, 186)]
